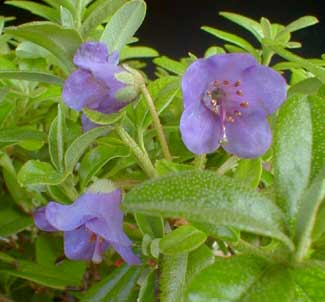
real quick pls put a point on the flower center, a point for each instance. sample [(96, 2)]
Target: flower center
[(226, 100)]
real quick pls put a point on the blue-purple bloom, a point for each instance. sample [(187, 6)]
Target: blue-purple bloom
[(227, 99), (93, 85), (90, 225)]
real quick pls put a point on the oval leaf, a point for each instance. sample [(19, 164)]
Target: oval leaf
[(221, 201)]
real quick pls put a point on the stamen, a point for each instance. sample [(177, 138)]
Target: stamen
[(237, 83), (239, 92), (244, 104), (230, 119), (216, 83), (214, 102), (226, 82), (92, 237), (237, 113), (209, 93), (224, 139)]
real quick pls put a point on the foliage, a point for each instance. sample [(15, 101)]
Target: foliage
[(207, 228)]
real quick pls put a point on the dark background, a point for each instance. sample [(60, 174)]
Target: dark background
[(173, 26)]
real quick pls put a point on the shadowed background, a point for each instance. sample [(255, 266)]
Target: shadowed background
[(173, 26)]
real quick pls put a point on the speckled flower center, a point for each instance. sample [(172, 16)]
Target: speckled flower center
[(226, 100)]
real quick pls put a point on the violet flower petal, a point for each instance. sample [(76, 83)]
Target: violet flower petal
[(88, 206), (264, 88), (90, 54), (195, 81), (248, 137), (127, 254), (81, 89), (78, 244), (200, 129), (41, 221), (111, 229)]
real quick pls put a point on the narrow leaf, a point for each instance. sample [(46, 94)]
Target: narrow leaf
[(56, 140), (118, 286), (172, 279), (124, 24), (80, 144), (41, 77), (247, 23)]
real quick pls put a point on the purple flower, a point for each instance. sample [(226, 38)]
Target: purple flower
[(227, 99), (90, 225), (93, 85)]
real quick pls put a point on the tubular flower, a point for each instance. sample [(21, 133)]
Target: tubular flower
[(93, 85), (227, 99), (90, 225)]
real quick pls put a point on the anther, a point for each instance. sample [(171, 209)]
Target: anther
[(209, 93), (230, 119), (226, 82), (216, 83), (244, 104), (239, 92), (92, 237), (237, 83), (214, 102), (237, 113)]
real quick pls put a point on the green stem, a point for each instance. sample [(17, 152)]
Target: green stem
[(156, 122), (200, 161), (229, 164), (143, 160)]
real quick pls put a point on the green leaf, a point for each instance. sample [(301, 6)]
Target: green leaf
[(151, 225), (41, 77), (165, 167), (56, 140), (317, 106), (297, 25), (117, 286), (66, 17), (197, 261), (308, 86), (124, 24), (249, 172), (172, 278), (13, 221), (242, 279), (170, 65), (230, 38), (100, 12), (37, 9), (213, 50), (184, 239), (42, 274), (49, 248), (136, 52), (102, 118), (307, 214), (61, 42), (35, 172), (222, 201), (310, 280), (96, 159), (310, 66), (21, 135), (18, 194), (247, 23), (292, 153), (147, 289), (79, 146)]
